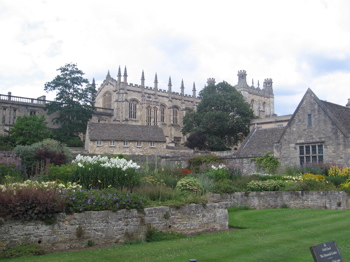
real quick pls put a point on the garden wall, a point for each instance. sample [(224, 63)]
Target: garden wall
[(293, 199), (107, 227)]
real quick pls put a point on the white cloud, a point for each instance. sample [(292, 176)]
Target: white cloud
[(296, 43)]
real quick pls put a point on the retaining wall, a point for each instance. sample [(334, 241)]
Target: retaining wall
[(293, 199), (107, 227)]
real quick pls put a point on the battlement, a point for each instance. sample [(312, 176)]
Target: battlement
[(124, 84)]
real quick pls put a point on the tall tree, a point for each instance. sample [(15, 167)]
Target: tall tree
[(222, 116), (28, 130), (74, 101)]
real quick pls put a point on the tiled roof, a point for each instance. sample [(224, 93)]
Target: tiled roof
[(340, 113), (260, 141), (121, 132)]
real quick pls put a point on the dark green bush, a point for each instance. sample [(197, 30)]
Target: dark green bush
[(316, 185), (225, 186), (195, 163), (337, 180), (97, 200)]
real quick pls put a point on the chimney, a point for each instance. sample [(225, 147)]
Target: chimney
[(348, 104)]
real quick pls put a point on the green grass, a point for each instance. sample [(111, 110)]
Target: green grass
[(265, 235)]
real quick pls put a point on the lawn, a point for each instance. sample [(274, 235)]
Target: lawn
[(263, 235)]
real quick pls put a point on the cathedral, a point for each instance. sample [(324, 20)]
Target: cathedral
[(120, 102)]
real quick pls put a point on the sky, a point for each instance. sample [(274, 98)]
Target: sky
[(300, 44)]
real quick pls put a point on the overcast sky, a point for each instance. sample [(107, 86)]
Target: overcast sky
[(297, 43)]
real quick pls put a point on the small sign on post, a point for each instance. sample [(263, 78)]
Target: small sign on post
[(326, 252)]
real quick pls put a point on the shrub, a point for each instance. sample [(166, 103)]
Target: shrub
[(194, 163), (30, 204), (10, 166), (190, 184), (268, 185), (225, 186), (62, 173), (267, 163), (219, 172), (316, 185), (207, 182), (97, 200), (33, 157), (102, 172), (159, 193)]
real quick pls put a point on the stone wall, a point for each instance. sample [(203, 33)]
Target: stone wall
[(106, 227), (294, 199)]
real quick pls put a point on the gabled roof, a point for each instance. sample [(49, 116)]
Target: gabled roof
[(339, 115), (260, 141), (124, 132)]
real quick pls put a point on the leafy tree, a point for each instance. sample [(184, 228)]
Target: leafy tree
[(197, 140), (73, 101), (222, 115), (29, 129)]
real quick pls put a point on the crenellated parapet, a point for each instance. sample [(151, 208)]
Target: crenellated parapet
[(117, 83)]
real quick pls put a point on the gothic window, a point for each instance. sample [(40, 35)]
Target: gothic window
[(107, 100), (162, 114), (252, 103), (312, 153), (149, 115), (155, 116), (175, 115), (132, 109)]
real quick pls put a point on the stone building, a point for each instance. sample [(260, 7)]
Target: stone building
[(142, 105), (261, 100), (13, 106), (317, 132), (131, 104), (124, 139)]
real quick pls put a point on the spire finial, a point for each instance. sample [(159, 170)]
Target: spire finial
[(119, 75), (143, 79), (108, 75), (125, 76), (169, 84)]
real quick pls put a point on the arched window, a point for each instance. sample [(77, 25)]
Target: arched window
[(107, 100), (162, 114), (175, 115), (132, 109), (149, 115), (252, 103), (155, 116), (263, 106)]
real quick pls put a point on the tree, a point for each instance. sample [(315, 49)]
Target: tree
[(197, 140), (222, 115), (73, 101), (29, 129)]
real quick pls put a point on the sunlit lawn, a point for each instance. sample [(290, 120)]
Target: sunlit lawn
[(265, 235)]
